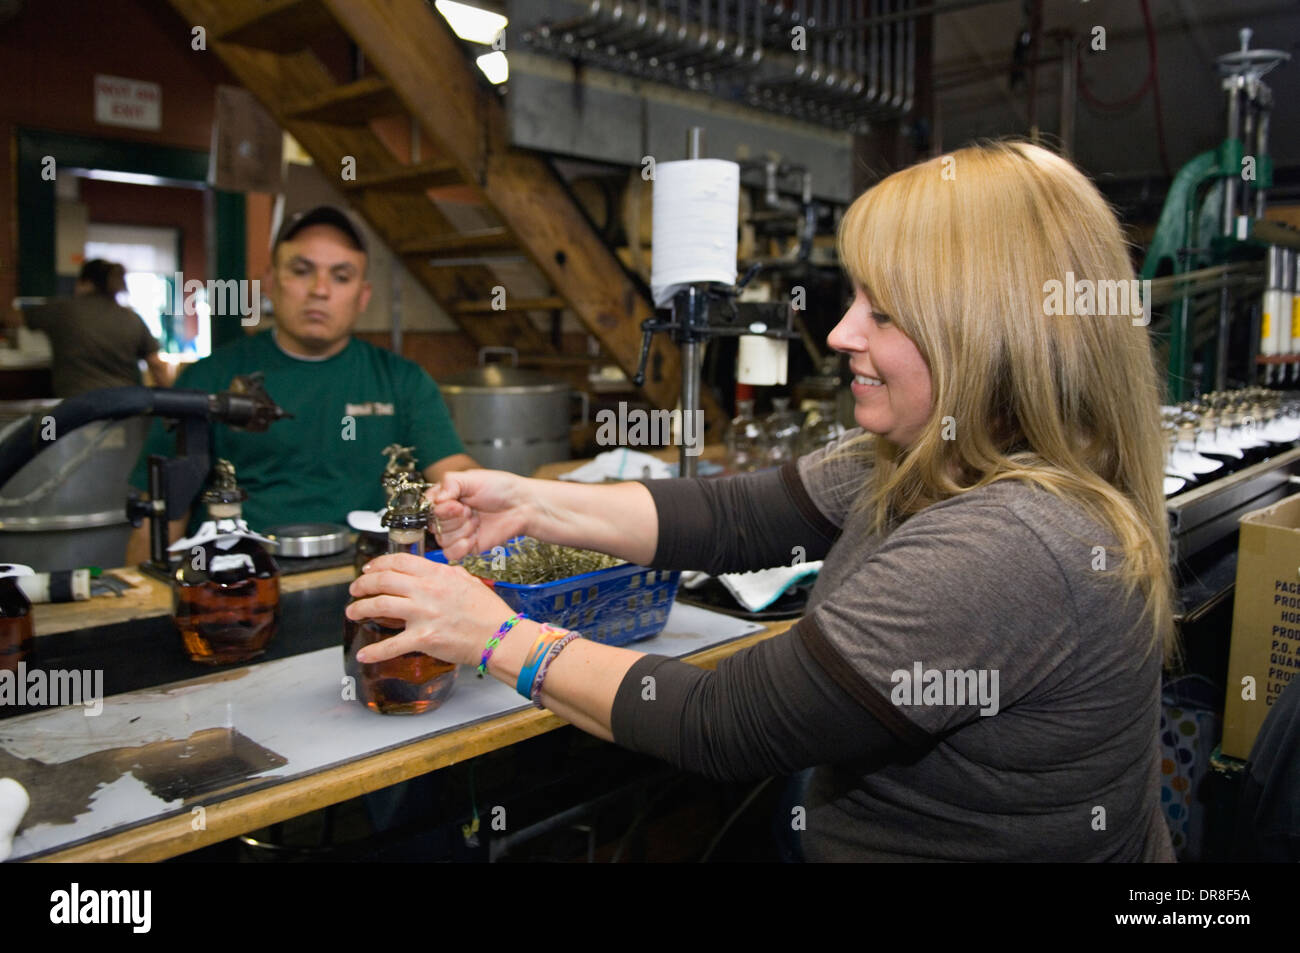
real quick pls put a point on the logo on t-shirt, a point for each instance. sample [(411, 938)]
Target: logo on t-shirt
[(371, 408)]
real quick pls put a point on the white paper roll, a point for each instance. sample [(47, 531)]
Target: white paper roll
[(761, 360), (696, 215)]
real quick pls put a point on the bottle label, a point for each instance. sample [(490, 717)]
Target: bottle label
[(229, 561)]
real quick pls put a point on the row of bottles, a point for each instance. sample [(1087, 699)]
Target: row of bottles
[(782, 435), (1225, 431)]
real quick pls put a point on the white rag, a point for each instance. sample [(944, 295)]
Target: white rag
[(13, 805), (757, 590), (622, 464)]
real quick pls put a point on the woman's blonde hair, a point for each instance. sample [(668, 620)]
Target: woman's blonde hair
[(959, 252)]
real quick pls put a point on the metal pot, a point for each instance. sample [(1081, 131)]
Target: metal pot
[(67, 507), (511, 419)]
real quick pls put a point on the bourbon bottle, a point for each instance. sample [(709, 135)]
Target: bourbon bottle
[(17, 638), (413, 683), (227, 589)]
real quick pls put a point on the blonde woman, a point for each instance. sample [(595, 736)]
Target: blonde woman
[(977, 675)]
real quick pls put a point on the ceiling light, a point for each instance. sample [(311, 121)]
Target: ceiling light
[(472, 23), (494, 66)]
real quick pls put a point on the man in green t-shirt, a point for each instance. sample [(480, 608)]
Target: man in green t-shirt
[(349, 399)]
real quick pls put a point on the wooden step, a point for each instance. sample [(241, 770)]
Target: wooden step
[(419, 177), (353, 104), (520, 304), (279, 26), (459, 244)]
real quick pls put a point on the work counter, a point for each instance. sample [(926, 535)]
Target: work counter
[(166, 769)]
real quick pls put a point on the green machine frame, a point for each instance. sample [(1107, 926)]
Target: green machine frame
[(1207, 217)]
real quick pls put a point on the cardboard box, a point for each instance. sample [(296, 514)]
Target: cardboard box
[(1265, 652)]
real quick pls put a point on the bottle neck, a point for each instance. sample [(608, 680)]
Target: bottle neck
[(406, 540), (225, 511)]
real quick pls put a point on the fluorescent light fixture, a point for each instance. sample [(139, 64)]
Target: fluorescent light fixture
[(472, 23), (494, 66)]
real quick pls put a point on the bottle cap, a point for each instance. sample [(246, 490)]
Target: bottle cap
[(13, 570), (223, 488), (407, 506)]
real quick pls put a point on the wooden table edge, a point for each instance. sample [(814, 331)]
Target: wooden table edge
[(176, 835)]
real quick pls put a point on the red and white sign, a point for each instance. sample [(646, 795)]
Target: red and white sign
[(127, 102)]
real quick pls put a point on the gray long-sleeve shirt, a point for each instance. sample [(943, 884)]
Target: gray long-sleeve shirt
[(972, 686)]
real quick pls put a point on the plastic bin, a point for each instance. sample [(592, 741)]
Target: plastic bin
[(616, 606)]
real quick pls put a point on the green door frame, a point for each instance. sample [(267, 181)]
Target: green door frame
[(36, 205)]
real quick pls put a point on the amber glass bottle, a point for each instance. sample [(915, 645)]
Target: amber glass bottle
[(227, 588), (17, 639), (413, 683)]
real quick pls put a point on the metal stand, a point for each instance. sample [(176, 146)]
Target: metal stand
[(690, 327), (173, 483)]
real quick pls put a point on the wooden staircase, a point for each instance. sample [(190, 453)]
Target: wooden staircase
[(419, 124)]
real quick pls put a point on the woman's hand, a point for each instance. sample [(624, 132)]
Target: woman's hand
[(448, 613), (475, 510)]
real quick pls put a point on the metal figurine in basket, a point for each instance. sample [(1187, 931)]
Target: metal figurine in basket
[(413, 683)]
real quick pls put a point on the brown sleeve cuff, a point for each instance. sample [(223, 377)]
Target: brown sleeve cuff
[(862, 691)]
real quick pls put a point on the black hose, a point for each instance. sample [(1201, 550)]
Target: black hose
[(36, 433)]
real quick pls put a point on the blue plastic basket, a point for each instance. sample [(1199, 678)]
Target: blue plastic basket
[(615, 606)]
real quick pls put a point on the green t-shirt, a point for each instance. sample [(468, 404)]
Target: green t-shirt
[(326, 459)]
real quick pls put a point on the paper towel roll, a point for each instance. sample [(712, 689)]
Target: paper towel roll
[(696, 214)]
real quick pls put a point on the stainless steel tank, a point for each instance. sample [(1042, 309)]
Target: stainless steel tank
[(66, 508), (511, 419)]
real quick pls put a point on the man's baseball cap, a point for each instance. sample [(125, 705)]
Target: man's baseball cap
[(321, 215)]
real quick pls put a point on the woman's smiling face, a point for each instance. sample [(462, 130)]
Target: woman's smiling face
[(891, 382)]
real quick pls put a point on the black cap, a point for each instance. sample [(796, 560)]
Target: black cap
[(321, 215)]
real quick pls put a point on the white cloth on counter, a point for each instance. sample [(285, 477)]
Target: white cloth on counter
[(223, 534), (14, 802), (365, 521), (757, 590), (621, 464)]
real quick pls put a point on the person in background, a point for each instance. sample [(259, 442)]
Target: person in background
[(349, 399), (94, 341), (977, 673)]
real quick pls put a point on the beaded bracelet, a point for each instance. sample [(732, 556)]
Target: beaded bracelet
[(493, 642), (556, 648)]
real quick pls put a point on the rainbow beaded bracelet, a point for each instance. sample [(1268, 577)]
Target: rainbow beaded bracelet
[(493, 642)]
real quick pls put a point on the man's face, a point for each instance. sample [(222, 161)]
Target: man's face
[(318, 288)]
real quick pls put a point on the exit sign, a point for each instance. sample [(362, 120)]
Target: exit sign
[(127, 102)]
